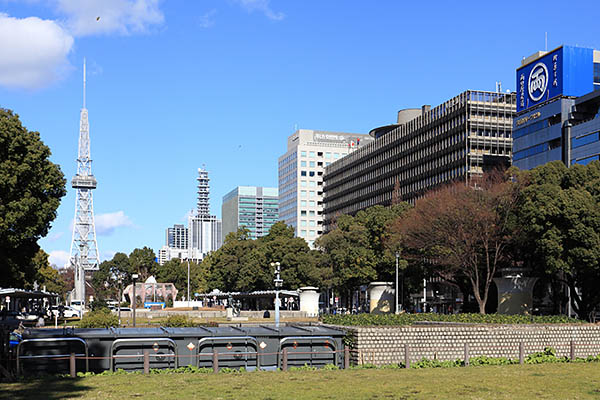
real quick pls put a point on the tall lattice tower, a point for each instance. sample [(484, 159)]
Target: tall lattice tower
[(84, 248)]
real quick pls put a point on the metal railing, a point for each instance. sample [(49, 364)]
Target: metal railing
[(50, 356), (328, 340), (237, 339), (114, 344)]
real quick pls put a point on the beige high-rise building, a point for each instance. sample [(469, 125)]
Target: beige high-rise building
[(301, 176)]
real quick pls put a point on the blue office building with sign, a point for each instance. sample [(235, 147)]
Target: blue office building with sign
[(558, 99)]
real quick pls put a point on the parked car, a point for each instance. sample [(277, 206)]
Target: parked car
[(67, 312)]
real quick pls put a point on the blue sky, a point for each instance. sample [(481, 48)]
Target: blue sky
[(177, 84)]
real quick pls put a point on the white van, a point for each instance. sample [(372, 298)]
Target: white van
[(78, 305)]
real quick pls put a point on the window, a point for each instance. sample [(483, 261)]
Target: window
[(311, 223), (302, 154), (303, 173), (311, 203), (311, 233), (585, 161), (311, 193), (327, 155), (303, 193), (303, 213), (311, 173), (311, 213), (311, 154), (303, 183), (303, 203), (311, 164), (336, 155), (302, 222), (303, 232), (583, 140), (303, 163), (312, 183)]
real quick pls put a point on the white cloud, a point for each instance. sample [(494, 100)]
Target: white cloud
[(107, 223), (261, 6), (59, 258), (33, 52), (92, 17), (208, 20)]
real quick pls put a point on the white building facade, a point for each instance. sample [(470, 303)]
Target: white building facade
[(301, 176), (203, 233)]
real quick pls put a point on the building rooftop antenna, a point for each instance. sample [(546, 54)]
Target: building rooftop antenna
[(83, 82)]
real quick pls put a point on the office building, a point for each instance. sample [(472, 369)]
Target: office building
[(176, 244), (177, 237), (558, 95), (201, 236), (427, 147), (204, 229), (252, 207), (301, 176)]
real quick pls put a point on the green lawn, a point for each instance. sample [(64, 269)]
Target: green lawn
[(545, 381)]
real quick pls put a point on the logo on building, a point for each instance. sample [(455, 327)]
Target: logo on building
[(538, 81)]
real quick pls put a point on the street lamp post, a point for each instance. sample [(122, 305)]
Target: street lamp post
[(188, 283), (120, 278), (397, 310), (278, 283), (134, 277)]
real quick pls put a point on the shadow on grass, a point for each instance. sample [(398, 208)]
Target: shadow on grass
[(48, 388)]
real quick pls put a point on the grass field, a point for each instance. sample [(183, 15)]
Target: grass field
[(545, 381)]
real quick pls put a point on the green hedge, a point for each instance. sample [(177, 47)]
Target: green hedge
[(101, 318), (409, 319)]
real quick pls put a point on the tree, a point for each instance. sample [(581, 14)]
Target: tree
[(48, 276), (175, 271), (244, 265), (358, 249), (463, 231), (560, 215), (106, 280), (31, 187), (348, 253), (142, 262), (377, 220)]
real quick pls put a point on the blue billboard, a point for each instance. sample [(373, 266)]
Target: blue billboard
[(567, 71)]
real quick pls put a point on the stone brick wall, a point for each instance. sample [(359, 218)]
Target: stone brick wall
[(386, 345)]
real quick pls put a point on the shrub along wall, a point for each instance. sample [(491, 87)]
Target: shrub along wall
[(386, 345)]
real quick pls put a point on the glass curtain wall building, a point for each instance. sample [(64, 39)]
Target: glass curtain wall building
[(253, 207), (301, 176), (425, 148)]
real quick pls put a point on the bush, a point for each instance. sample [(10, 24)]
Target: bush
[(409, 319), (546, 356), (102, 318), (98, 304), (178, 321)]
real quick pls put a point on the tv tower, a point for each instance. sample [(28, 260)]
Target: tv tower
[(84, 248)]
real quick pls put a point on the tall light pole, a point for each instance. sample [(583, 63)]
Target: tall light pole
[(134, 277), (120, 279), (278, 283), (188, 286), (397, 309)]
